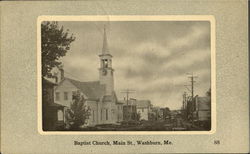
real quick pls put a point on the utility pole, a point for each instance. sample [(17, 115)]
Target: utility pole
[(185, 109), (127, 92), (192, 80), (192, 77), (184, 101)]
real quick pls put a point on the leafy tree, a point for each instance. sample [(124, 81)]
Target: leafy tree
[(138, 116), (167, 109), (152, 116), (166, 113), (78, 113), (55, 44), (208, 93)]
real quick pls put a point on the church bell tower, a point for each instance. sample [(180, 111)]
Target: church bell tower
[(106, 70)]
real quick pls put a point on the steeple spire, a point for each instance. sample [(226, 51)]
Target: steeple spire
[(106, 71), (105, 49)]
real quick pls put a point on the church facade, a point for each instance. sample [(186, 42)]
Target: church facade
[(99, 95)]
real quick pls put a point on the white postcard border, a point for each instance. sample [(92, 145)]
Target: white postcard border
[(209, 18)]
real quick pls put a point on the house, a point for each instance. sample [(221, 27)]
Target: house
[(155, 113), (143, 108), (198, 111), (99, 95), (133, 107), (164, 113), (129, 112), (52, 113), (202, 110)]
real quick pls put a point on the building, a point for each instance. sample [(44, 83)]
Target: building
[(129, 109), (155, 113), (99, 95), (134, 108), (198, 111), (129, 112), (119, 111), (202, 108), (143, 108), (52, 113), (165, 113)]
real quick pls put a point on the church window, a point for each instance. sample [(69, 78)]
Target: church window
[(57, 96), (105, 63), (65, 95), (101, 114), (60, 115), (107, 114)]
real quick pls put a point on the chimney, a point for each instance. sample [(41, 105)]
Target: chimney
[(61, 72)]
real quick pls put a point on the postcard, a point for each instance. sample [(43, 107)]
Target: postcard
[(124, 77)]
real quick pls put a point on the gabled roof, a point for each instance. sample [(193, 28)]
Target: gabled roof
[(138, 103), (47, 82), (130, 102), (56, 105), (93, 89), (203, 99), (107, 98), (143, 103)]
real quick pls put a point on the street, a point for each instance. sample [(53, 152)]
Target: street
[(177, 124)]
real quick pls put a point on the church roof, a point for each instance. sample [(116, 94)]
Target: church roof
[(92, 89), (107, 98)]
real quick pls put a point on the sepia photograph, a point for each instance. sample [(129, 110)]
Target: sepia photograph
[(145, 75), (132, 76)]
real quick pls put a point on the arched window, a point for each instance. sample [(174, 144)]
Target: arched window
[(60, 115), (105, 63)]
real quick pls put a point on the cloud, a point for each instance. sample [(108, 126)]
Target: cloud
[(152, 58)]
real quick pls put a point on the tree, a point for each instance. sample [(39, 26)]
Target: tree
[(208, 93), (55, 44), (138, 116), (167, 109), (78, 113), (166, 113)]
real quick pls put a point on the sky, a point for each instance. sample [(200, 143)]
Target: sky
[(152, 58)]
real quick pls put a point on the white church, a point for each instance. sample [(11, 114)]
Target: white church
[(100, 95)]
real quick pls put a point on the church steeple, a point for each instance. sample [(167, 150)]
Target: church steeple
[(106, 70), (105, 49)]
